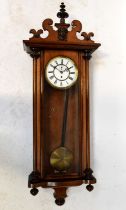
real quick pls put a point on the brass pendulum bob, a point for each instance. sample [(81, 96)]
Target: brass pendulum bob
[(61, 158)]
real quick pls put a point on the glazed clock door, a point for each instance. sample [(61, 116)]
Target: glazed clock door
[(61, 113)]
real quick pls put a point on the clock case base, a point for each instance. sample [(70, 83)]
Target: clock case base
[(60, 185)]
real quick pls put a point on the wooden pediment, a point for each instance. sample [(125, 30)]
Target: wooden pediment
[(62, 37)]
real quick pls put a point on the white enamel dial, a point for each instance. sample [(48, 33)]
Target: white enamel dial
[(61, 72)]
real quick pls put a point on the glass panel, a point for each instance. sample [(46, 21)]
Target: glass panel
[(61, 130)]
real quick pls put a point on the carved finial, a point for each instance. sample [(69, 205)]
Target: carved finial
[(62, 26), (62, 14)]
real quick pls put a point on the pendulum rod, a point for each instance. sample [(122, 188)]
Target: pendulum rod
[(63, 136)]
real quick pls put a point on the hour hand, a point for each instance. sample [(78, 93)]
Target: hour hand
[(68, 69), (59, 70)]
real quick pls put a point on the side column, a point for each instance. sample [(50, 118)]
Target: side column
[(88, 177), (35, 176)]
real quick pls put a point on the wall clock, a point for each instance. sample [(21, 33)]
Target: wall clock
[(61, 125)]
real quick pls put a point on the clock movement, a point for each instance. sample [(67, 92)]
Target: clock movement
[(61, 122)]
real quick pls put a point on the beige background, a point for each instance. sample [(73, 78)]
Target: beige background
[(108, 104)]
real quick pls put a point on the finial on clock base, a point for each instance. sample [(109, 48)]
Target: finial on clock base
[(34, 191), (89, 187)]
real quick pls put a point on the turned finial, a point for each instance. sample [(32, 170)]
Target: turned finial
[(62, 14)]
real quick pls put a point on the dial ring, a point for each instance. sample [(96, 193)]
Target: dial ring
[(63, 70)]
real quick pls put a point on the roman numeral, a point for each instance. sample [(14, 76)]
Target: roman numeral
[(62, 61), (67, 82), (70, 67), (61, 83), (56, 62), (70, 78), (50, 71), (67, 63), (51, 77), (72, 72), (55, 81), (52, 66)]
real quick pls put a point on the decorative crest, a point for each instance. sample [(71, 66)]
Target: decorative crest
[(62, 33)]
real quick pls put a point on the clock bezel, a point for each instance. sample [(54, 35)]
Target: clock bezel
[(61, 88)]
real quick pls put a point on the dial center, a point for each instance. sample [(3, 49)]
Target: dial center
[(61, 72)]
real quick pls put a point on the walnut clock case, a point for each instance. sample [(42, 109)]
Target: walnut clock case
[(61, 125)]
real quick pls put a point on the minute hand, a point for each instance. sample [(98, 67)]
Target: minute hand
[(56, 68), (67, 69)]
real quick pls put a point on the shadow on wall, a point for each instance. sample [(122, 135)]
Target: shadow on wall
[(16, 134), (94, 61)]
